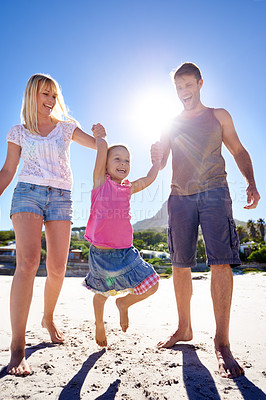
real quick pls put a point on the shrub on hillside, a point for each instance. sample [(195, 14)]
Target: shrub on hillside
[(258, 255), (155, 261), (6, 236)]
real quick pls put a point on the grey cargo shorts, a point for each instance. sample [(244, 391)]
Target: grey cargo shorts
[(212, 210)]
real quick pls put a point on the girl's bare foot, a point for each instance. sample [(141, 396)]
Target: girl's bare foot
[(178, 336), (18, 364), (123, 311), (100, 336), (56, 335)]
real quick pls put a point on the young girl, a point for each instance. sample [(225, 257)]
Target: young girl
[(42, 195), (115, 265)]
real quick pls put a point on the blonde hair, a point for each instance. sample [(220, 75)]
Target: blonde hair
[(28, 116)]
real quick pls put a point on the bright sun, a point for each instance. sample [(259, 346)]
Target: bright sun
[(152, 111)]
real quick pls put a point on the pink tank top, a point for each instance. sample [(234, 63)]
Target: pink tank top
[(109, 222)]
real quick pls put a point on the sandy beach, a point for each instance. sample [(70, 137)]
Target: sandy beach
[(131, 367)]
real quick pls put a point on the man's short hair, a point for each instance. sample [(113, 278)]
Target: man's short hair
[(188, 69)]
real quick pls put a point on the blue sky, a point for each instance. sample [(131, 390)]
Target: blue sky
[(112, 60)]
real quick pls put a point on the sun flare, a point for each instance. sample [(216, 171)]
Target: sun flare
[(152, 111)]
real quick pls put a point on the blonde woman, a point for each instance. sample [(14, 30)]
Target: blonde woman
[(42, 195)]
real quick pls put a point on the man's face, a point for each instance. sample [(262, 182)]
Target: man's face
[(188, 90)]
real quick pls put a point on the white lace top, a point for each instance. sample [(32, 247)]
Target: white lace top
[(46, 160)]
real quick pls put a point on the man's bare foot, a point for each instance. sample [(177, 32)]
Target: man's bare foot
[(228, 366), (56, 335), (178, 336), (18, 364), (123, 312), (100, 335)]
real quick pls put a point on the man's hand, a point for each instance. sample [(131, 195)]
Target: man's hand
[(98, 131), (252, 197), (156, 152)]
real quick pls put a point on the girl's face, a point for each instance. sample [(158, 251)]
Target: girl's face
[(46, 100), (118, 164)]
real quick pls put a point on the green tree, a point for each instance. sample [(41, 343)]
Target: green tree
[(261, 227), (138, 243), (85, 253), (43, 241), (6, 236), (258, 255), (43, 256), (241, 232), (251, 228), (201, 255)]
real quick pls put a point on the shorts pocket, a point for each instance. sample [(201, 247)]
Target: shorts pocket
[(66, 194), (234, 241), (23, 187), (170, 241)]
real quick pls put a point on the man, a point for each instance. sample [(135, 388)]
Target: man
[(200, 196)]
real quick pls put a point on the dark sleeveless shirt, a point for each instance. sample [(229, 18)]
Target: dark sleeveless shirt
[(197, 162)]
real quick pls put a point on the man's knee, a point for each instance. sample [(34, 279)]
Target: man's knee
[(177, 272), (220, 268)]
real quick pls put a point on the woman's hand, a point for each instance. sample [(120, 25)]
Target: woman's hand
[(98, 131)]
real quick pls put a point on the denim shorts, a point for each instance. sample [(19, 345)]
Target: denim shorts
[(115, 270), (51, 203), (212, 210)]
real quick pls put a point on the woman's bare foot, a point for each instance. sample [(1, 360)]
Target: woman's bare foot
[(123, 312), (178, 336), (18, 364), (100, 335), (56, 335), (227, 364)]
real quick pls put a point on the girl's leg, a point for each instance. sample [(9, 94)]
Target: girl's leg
[(28, 229), (123, 303), (98, 304), (57, 243)]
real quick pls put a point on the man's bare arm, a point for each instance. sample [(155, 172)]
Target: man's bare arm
[(241, 156)]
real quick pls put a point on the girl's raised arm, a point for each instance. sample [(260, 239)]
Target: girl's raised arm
[(99, 173), (142, 183)]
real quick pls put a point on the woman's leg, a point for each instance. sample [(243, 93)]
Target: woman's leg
[(57, 244), (123, 303), (98, 304), (28, 228)]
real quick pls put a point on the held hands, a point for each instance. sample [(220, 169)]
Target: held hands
[(253, 197), (98, 131), (156, 153)]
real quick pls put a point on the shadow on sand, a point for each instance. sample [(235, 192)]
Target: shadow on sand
[(43, 345), (72, 390), (111, 391), (205, 388), (192, 367)]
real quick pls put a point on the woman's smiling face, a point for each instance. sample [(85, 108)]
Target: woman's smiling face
[(46, 100)]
